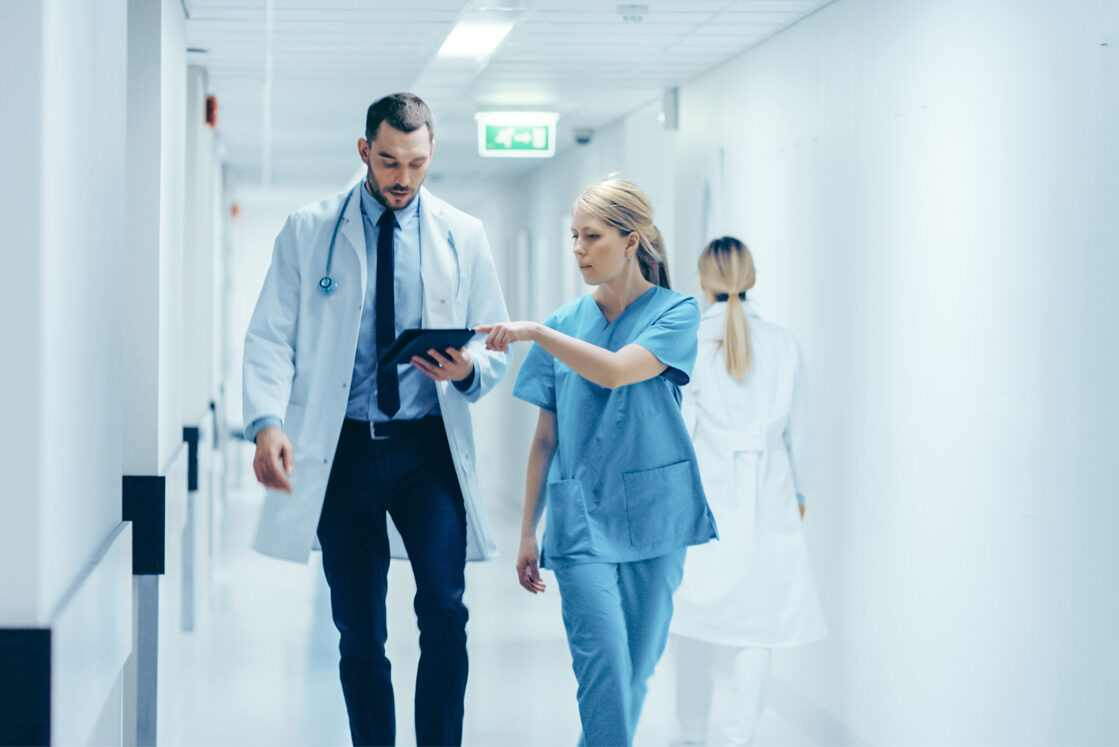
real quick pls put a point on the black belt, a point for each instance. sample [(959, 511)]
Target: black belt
[(398, 428)]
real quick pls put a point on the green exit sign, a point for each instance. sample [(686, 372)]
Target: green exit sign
[(517, 134), (517, 137)]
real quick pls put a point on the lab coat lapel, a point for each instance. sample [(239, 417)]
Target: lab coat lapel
[(353, 232), (438, 264)]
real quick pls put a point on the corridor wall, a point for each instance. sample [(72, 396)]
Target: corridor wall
[(202, 285), (65, 570), (928, 189), (905, 173), (155, 457)]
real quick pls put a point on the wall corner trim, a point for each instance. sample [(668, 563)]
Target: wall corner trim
[(192, 434), (25, 686), (144, 503)]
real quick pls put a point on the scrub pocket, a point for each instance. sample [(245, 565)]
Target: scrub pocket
[(660, 504), (567, 531)]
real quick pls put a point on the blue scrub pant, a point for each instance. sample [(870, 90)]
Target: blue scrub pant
[(412, 478), (617, 616)]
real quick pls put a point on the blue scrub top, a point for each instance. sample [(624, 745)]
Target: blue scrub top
[(624, 484)]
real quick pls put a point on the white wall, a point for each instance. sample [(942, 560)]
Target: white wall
[(927, 188), (20, 336), (152, 303), (929, 192), (80, 460), (65, 556), (153, 354), (61, 445), (172, 198), (200, 252)]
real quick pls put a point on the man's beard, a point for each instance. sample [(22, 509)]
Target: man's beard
[(379, 196)]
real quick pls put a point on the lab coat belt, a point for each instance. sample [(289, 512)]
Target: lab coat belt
[(756, 438)]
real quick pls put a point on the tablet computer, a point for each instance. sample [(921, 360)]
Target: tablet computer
[(413, 342)]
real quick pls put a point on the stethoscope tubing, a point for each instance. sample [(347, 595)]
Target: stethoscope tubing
[(327, 285)]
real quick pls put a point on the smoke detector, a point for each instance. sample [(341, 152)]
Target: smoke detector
[(632, 12)]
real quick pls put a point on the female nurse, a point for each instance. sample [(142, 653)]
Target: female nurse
[(752, 590), (611, 459)]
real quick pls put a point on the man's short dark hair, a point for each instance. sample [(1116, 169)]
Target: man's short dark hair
[(406, 112)]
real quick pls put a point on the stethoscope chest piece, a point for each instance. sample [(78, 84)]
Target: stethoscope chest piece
[(327, 286)]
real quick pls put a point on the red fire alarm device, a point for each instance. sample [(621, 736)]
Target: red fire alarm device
[(212, 111)]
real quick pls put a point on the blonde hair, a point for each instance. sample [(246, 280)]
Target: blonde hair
[(726, 268), (622, 204)]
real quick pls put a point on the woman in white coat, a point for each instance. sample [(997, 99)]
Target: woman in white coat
[(752, 590)]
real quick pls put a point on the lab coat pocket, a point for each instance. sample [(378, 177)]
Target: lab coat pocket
[(660, 505), (567, 530)]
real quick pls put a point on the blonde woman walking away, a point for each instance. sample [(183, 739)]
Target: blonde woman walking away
[(752, 590)]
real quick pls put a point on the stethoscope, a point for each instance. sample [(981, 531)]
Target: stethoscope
[(327, 286)]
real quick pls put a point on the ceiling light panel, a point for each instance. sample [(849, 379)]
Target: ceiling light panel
[(474, 39)]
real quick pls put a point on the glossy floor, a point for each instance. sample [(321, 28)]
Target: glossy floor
[(265, 661)]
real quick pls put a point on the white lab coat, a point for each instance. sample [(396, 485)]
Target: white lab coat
[(300, 347), (753, 587)]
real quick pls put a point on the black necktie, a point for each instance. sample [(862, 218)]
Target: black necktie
[(388, 383)]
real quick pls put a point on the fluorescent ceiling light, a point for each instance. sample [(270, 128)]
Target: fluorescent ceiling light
[(474, 39)]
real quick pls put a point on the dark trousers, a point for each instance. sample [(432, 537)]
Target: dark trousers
[(411, 478)]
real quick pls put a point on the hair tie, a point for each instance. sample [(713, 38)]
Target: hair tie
[(726, 296)]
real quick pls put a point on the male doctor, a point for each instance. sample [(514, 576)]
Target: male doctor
[(341, 443)]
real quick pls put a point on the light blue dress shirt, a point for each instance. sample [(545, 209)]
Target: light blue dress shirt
[(417, 391), (624, 483), (418, 397)]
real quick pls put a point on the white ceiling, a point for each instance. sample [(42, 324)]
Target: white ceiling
[(329, 60)]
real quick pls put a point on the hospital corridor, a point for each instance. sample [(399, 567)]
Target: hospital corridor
[(278, 684), (559, 372)]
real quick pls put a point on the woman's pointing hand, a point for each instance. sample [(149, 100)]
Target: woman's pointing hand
[(504, 334)]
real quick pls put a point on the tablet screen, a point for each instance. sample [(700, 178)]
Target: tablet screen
[(413, 342)]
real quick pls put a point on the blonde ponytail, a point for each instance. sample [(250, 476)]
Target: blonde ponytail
[(726, 268), (652, 256)]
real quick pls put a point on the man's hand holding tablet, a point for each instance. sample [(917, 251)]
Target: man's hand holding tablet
[(421, 348), (456, 365)]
